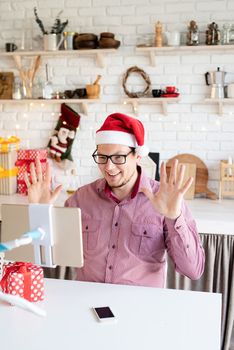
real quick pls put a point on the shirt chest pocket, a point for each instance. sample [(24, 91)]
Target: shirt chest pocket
[(91, 229), (146, 239)]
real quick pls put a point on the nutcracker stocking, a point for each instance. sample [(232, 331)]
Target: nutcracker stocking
[(60, 144)]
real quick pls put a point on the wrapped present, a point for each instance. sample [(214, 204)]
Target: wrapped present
[(8, 181), (8, 173), (23, 279), (25, 158), (9, 144)]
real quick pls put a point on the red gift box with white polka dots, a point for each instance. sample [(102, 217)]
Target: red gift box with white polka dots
[(24, 158), (23, 279)]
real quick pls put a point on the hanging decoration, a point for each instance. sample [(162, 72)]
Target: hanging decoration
[(145, 77)]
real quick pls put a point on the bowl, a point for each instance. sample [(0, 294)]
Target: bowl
[(107, 35), (89, 44), (86, 37), (81, 92), (108, 43), (93, 90)]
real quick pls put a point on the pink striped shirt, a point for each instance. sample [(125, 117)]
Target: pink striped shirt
[(126, 242)]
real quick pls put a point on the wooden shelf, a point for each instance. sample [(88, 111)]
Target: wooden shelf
[(220, 102), (83, 102), (152, 50), (163, 101), (98, 53)]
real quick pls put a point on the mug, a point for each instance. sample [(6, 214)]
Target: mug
[(52, 42), (171, 89), (230, 91), (173, 38), (10, 47), (156, 92)]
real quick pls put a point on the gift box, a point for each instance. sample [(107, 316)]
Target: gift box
[(9, 144), (8, 173), (23, 279), (24, 159)]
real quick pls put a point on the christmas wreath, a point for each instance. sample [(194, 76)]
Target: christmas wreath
[(143, 74)]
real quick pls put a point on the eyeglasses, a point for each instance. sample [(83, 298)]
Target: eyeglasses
[(115, 158)]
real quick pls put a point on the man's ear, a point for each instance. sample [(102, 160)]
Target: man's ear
[(138, 157)]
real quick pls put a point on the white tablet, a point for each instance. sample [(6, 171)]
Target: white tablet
[(67, 233)]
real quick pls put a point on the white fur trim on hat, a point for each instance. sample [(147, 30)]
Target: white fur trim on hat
[(142, 151), (115, 138)]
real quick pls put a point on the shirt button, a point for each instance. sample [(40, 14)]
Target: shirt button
[(145, 233), (110, 267), (113, 247), (178, 227), (116, 224)]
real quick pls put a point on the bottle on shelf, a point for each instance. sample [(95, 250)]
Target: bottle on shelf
[(226, 34), (47, 91), (158, 34), (193, 34)]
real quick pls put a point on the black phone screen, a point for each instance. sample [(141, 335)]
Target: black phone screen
[(104, 312)]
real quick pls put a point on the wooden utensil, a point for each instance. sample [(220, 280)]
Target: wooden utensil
[(27, 75), (201, 173), (97, 80)]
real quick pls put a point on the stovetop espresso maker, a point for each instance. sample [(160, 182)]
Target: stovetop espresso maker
[(216, 79)]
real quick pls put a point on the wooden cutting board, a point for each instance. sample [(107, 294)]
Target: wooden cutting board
[(201, 180), (190, 170)]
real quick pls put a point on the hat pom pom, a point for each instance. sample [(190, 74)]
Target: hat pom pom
[(143, 151)]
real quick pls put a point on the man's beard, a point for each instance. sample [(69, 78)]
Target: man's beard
[(124, 182)]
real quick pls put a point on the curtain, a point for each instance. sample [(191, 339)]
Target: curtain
[(218, 277), (60, 272)]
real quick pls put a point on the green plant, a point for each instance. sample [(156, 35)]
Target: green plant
[(57, 28)]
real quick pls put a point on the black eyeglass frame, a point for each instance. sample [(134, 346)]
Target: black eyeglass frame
[(111, 157)]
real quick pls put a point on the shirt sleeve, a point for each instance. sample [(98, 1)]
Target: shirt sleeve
[(184, 244)]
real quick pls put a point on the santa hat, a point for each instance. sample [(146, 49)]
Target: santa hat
[(120, 129)]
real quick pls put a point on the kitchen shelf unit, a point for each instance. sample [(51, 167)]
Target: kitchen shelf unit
[(99, 54), (220, 102), (163, 101), (152, 51), (83, 102)]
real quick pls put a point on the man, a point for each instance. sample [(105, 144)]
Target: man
[(129, 221)]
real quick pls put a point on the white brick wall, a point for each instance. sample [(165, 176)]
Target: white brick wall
[(191, 125)]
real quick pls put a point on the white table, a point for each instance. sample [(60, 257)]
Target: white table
[(148, 318), (213, 216)]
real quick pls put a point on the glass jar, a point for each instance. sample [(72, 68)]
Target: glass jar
[(226, 33), (17, 91), (68, 40), (231, 35)]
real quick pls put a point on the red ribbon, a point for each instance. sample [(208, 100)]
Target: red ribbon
[(19, 267)]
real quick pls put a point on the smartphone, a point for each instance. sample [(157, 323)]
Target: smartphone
[(104, 313)]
